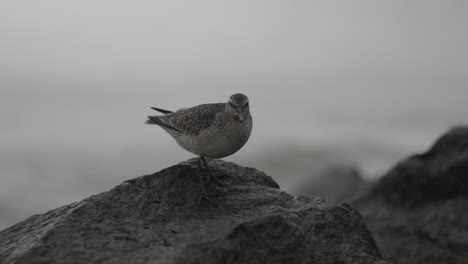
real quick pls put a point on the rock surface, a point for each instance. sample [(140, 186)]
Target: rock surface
[(418, 212), (335, 184), (153, 219)]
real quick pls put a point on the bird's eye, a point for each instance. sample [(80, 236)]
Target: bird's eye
[(247, 104), (231, 104)]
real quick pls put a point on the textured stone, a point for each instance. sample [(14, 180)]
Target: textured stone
[(153, 219), (335, 184), (418, 212)]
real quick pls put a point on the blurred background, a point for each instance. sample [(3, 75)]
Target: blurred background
[(365, 83)]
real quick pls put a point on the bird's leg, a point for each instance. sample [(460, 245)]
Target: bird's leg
[(202, 185), (216, 180)]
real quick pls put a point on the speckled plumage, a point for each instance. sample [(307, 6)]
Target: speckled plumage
[(192, 121), (210, 130)]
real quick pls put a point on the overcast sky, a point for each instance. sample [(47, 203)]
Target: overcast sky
[(108, 38)]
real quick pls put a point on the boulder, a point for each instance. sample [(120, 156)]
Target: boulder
[(418, 212), (155, 219), (335, 184)]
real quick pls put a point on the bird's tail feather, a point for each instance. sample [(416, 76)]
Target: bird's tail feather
[(162, 110), (150, 122)]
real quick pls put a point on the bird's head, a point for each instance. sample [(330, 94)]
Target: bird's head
[(238, 105)]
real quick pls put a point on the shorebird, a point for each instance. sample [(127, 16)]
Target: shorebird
[(208, 130)]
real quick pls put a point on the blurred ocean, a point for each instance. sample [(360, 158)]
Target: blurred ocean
[(61, 144)]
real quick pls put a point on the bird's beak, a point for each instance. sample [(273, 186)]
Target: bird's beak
[(241, 116)]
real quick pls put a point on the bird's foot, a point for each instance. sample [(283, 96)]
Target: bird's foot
[(203, 193), (211, 176), (214, 179)]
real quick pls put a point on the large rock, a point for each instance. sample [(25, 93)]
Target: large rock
[(153, 219), (335, 184), (418, 212)]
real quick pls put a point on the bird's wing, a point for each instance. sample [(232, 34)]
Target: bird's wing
[(193, 120), (156, 120)]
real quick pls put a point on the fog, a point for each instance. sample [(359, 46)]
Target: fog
[(330, 82)]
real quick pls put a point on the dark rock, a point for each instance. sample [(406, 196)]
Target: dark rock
[(335, 184), (418, 212), (153, 219)]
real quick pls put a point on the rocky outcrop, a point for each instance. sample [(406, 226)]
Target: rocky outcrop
[(418, 212), (153, 219), (335, 184)]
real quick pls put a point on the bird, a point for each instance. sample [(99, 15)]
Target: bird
[(214, 131)]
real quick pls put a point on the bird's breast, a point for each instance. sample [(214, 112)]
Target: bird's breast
[(219, 141)]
